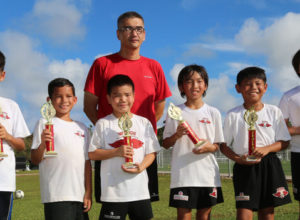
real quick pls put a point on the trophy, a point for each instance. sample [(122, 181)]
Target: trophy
[(175, 113), (2, 154), (48, 112), (251, 117), (125, 124)]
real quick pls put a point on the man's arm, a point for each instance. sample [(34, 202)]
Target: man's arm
[(90, 106), (159, 108), (292, 130)]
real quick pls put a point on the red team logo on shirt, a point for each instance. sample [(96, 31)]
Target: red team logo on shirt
[(264, 124), (135, 143), (205, 121), (4, 115), (281, 192), (214, 193), (80, 134)]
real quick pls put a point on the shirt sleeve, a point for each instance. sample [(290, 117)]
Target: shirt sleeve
[(97, 140), (152, 144), (281, 130), (219, 137), (283, 105), (170, 127), (20, 129), (228, 135), (162, 87), (36, 141), (93, 83)]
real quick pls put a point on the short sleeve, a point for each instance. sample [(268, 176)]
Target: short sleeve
[(20, 129), (219, 137), (97, 140), (227, 130), (162, 87), (93, 83), (281, 130), (170, 127), (36, 141), (151, 141), (283, 105)]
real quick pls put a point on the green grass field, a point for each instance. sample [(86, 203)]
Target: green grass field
[(30, 208)]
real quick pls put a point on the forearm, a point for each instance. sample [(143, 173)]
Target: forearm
[(294, 130), (277, 146), (88, 177), (148, 160), (37, 155), (159, 108), (170, 141), (229, 153), (101, 154), (15, 143)]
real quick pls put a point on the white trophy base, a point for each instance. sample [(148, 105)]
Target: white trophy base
[(129, 165), (3, 155), (50, 154)]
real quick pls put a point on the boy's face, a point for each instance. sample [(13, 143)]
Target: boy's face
[(63, 100), (252, 90), (2, 75), (121, 99), (194, 86)]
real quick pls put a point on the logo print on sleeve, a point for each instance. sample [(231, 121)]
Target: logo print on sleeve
[(4, 115), (265, 124)]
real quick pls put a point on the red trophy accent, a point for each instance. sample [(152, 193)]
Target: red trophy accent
[(175, 113), (125, 124), (2, 154), (251, 117), (48, 112)]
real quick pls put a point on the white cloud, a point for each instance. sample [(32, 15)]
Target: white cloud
[(175, 71), (278, 42), (59, 20), (198, 50), (29, 72), (223, 46)]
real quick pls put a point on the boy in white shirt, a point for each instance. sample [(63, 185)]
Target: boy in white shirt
[(12, 131), (290, 107), (259, 185), (65, 179), (124, 190), (195, 177)]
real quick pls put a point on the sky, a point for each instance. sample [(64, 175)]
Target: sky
[(46, 39)]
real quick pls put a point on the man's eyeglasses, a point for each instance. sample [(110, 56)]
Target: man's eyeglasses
[(129, 29)]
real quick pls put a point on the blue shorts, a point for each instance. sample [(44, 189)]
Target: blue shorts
[(195, 197), (260, 186)]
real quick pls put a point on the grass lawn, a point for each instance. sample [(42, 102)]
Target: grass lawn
[(30, 208)]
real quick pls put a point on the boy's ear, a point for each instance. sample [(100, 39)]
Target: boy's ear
[(48, 98), (237, 88), (2, 76), (75, 99)]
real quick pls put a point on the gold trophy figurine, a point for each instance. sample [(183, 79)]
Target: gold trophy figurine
[(48, 112), (125, 124), (2, 154), (250, 118), (175, 113)]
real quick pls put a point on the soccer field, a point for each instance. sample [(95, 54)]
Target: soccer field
[(30, 208)]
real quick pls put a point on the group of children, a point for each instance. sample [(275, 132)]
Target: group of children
[(65, 179)]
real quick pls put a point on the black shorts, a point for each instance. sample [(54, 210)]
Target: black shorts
[(261, 185), (6, 202), (137, 210), (295, 164), (195, 197), (65, 210)]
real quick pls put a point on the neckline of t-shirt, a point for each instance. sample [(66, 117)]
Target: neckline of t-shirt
[(122, 58), (63, 121), (194, 110), (264, 105)]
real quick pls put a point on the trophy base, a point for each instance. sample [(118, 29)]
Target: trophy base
[(199, 144), (3, 155), (50, 154), (251, 158), (129, 165)]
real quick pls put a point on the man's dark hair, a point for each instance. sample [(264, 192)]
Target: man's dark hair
[(119, 80), (126, 15), (187, 72), (59, 82), (250, 73), (296, 62), (2, 61)]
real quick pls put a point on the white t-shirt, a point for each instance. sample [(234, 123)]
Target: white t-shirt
[(117, 185), (189, 169), (270, 127), (12, 119), (290, 107), (62, 176)]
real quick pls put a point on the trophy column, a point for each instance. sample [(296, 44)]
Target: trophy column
[(251, 117)]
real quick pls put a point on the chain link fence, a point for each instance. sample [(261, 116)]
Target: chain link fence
[(225, 164)]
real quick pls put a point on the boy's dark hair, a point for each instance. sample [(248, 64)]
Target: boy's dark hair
[(296, 62), (118, 80), (185, 74), (59, 82), (2, 61), (250, 73), (126, 15)]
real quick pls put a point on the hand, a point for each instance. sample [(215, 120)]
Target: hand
[(243, 160), (205, 148), (1, 159), (125, 151), (180, 131), (87, 202), (46, 136), (261, 152), (3, 133), (137, 169)]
